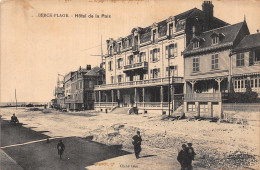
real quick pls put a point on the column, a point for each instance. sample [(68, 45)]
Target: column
[(135, 97), (185, 88), (220, 110), (143, 95), (99, 96), (118, 97), (197, 106), (161, 92), (219, 81), (172, 96), (112, 97), (210, 109), (192, 86)]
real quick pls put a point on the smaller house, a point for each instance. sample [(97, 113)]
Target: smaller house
[(208, 68), (246, 64)]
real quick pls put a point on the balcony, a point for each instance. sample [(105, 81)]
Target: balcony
[(136, 66), (141, 83), (203, 97)]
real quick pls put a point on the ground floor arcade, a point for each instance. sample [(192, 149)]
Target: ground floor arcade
[(145, 99)]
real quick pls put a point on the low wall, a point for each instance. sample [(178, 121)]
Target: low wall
[(241, 107)]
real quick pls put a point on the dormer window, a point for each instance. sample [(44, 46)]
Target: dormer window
[(119, 47), (110, 50), (196, 44), (215, 40), (171, 30), (154, 36)]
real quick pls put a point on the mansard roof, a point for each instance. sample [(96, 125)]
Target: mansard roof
[(145, 33), (249, 42), (228, 35)]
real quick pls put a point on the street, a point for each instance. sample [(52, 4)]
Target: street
[(78, 154)]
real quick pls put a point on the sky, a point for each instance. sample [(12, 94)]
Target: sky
[(34, 50)]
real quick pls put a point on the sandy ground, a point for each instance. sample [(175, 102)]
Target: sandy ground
[(218, 145)]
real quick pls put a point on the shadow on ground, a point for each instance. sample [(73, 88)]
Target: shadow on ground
[(78, 154)]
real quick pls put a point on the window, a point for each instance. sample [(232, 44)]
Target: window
[(191, 107), (142, 57), (112, 79), (154, 36), (214, 61), (155, 73), (110, 50), (155, 55), (257, 56), (215, 40), (196, 44), (119, 47), (120, 63), (171, 51), (120, 78), (110, 63), (196, 64), (130, 59), (240, 59), (173, 71), (171, 30)]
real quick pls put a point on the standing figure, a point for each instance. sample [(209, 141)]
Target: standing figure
[(137, 144), (191, 154), (14, 119), (183, 158), (61, 148)]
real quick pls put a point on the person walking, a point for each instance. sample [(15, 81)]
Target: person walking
[(137, 144), (60, 147), (183, 158), (191, 154)]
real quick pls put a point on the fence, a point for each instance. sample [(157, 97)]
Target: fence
[(241, 107)]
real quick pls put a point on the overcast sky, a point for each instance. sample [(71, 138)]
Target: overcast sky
[(35, 49)]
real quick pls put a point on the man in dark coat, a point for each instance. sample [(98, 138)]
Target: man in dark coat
[(191, 154), (137, 144), (183, 158), (14, 119), (61, 148)]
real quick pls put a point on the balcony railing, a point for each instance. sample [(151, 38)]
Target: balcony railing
[(136, 66), (105, 104), (140, 83), (202, 97), (153, 105)]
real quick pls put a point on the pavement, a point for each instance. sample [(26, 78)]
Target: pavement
[(29, 150)]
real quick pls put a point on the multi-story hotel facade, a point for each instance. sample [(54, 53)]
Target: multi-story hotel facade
[(146, 68)]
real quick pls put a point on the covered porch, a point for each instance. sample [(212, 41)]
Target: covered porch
[(156, 98), (203, 97)]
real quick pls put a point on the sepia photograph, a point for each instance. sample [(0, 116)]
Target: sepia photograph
[(130, 84)]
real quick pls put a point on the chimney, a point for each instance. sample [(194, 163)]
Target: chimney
[(88, 67), (207, 8)]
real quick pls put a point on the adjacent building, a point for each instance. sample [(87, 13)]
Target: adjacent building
[(146, 68), (216, 62), (79, 85)]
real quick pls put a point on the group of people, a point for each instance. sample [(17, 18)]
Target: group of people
[(186, 156)]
